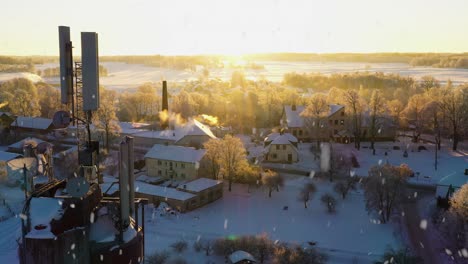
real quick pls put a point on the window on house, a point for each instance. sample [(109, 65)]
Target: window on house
[(294, 132), (277, 147), (284, 147), (194, 201), (300, 132), (274, 156), (330, 122), (182, 165), (336, 131), (159, 172), (159, 162), (342, 113), (336, 122)]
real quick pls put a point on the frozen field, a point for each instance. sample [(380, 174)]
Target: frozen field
[(129, 76)]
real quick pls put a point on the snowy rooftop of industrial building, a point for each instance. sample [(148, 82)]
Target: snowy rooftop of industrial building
[(199, 185), (175, 153)]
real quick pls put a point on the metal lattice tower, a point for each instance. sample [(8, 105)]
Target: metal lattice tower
[(78, 111)]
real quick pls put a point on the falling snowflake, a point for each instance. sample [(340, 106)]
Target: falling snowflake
[(72, 205), (415, 194), (120, 252), (101, 257), (72, 247), (448, 251), (352, 173), (464, 252), (380, 162), (23, 216), (312, 174), (423, 224), (91, 217), (225, 223)]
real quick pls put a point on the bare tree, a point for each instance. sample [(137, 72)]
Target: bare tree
[(211, 158), (284, 254), (376, 107), (355, 104), (306, 192), (106, 117), (385, 189), (413, 113), (313, 115), (330, 201), (345, 186), (454, 103), (272, 180)]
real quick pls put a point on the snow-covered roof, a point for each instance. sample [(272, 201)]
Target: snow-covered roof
[(199, 185), (130, 128), (457, 180), (41, 212), (240, 255), (293, 117), (282, 140), (19, 144), (149, 179), (195, 128), (7, 156), (334, 108), (149, 189), (275, 135), (5, 113), (191, 128), (32, 122), (175, 153), (171, 135)]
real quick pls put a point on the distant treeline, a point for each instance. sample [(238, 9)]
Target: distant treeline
[(174, 62), (27, 59), (446, 60), (55, 72), (442, 61), (22, 64), (322, 82)]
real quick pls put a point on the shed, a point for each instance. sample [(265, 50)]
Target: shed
[(241, 257)]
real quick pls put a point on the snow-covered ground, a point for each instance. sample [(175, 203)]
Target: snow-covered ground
[(421, 162), (349, 233)]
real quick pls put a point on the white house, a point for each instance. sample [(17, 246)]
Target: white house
[(281, 148), (173, 162)]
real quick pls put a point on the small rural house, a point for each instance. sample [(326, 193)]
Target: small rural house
[(173, 162), (281, 148), (32, 125)]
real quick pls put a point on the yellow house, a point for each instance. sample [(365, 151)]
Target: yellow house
[(173, 162), (281, 148)]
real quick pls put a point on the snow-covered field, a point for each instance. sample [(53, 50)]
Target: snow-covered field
[(349, 233), (129, 76)]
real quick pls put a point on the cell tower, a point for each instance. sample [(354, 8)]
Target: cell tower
[(80, 92)]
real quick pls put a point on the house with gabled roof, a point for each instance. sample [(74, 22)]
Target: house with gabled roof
[(281, 148)]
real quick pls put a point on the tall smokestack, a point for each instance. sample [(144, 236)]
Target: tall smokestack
[(165, 105)]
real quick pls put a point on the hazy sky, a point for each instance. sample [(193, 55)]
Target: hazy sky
[(237, 26)]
